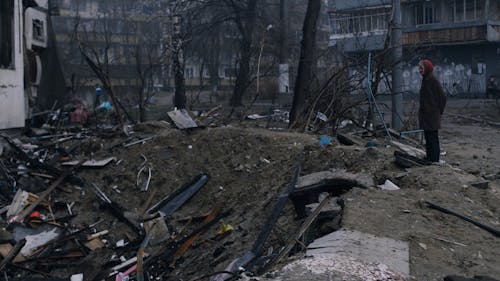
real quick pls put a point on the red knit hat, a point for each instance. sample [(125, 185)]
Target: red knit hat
[(427, 65)]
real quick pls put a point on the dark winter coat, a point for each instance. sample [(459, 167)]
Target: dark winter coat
[(432, 103)]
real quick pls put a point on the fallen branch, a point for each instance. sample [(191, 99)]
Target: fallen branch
[(12, 253)]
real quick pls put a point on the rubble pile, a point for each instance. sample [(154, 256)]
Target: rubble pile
[(212, 203)]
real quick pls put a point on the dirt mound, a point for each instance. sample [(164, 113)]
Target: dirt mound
[(248, 170)]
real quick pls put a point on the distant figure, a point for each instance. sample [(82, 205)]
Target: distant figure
[(432, 103), (492, 88), (77, 112), (98, 93)]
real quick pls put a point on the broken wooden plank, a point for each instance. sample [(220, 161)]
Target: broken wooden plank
[(5, 250), (91, 163), (401, 136), (18, 204), (94, 244), (35, 162), (346, 139), (205, 115), (20, 218), (141, 141), (117, 211), (305, 225), (408, 149), (407, 161), (185, 246), (12, 253)]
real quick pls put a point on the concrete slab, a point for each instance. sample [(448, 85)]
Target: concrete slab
[(332, 267), (182, 119), (364, 247), (324, 177)]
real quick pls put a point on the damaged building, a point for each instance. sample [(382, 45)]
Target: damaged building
[(461, 38), (28, 82), (12, 112)]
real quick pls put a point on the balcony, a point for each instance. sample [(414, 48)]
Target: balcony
[(449, 22), (435, 22), (451, 34)]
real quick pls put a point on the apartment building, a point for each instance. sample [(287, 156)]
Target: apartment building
[(112, 32), (115, 28), (461, 37)]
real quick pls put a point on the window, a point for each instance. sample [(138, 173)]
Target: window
[(425, 13), (366, 20), (468, 10), (229, 72), (6, 33), (428, 13), (188, 73), (38, 31)]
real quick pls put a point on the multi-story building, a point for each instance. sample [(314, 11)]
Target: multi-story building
[(123, 36), (461, 37)]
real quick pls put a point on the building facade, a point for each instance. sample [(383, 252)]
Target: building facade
[(23, 46), (116, 30), (119, 35), (461, 37)]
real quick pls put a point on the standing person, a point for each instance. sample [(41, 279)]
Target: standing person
[(432, 103), (98, 93), (97, 102)]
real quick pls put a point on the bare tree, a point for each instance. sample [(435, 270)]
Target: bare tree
[(121, 42), (243, 15), (302, 91), (98, 56)]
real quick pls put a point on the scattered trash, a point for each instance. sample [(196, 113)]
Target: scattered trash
[(324, 140), (105, 105), (256, 116), (175, 200), (117, 210), (321, 116), (388, 185), (77, 277), (92, 162), (224, 228), (145, 236), (141, 141), (182, 119), (480, 184), (34, 241)]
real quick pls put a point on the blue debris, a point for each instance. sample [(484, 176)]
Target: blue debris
[(325, 140)]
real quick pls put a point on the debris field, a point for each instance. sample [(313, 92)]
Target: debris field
[(218, 203)]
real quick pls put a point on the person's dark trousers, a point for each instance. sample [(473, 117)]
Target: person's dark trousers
[(432, 145)]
